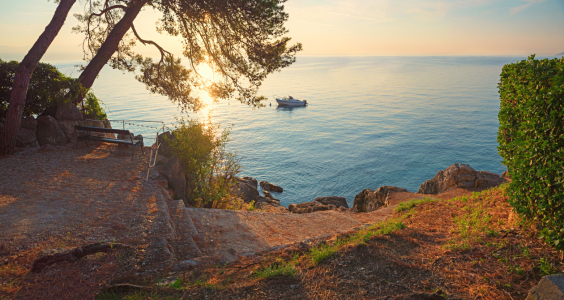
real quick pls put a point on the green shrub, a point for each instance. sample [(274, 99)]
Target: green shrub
[(531, 140), (47, 87), (93, 110), (209, 167)]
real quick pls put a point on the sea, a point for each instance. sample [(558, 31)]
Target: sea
[(369, 122)]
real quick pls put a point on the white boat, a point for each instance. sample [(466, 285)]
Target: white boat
[(290, 101)]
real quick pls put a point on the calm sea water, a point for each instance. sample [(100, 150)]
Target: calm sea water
[(371, 121)]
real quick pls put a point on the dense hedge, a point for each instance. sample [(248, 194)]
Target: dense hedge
[(531, 141)]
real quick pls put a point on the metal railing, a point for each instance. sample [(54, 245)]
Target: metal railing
[(154, 156)]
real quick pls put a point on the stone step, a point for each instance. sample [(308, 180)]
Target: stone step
[(182, 242)]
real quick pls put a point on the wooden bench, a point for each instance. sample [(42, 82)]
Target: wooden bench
[(88, 137)]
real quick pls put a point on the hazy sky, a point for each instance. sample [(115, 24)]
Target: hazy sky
[(336, 28)]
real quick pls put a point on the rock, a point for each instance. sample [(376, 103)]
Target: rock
[(270, 205), (249, 180), (459, 176), (68, 111), (229, 256), (174, 174), (244, 190), (369, 200), (505, 174), (49, 132), (26, 138), (268, 195), (267, 186), (165, 148), (337, 201), (29, 123), (67, 126), (550, 287), (309, 207)]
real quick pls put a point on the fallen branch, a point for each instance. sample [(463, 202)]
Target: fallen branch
[(74, 254)]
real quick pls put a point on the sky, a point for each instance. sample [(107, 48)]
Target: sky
[(341, 28)]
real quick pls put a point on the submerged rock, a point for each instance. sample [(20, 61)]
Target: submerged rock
[(267, 186)]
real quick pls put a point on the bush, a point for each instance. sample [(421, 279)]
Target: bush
[(531, 141), (209, 167), (47, 87)]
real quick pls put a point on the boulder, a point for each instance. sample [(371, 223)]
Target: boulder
[(29, 123), (67, 126), (369, 200), (165, 149), (550, 287), (68, 111), (337, 201), (26, 138), (174, 174), (309, 207), (267, 186), (49, 132), (244, 190), (459, 176)]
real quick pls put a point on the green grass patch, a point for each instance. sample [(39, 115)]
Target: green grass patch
[(411, 204), (322, 252), (284, 269)]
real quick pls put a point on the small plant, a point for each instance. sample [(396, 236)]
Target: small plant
[(177, 284), (516, 269), (283, 268), (546, 267), (251, 206)]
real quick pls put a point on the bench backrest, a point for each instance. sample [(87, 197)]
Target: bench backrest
[(99, 129)]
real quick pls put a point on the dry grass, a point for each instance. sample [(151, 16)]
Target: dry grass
[(461, 248)]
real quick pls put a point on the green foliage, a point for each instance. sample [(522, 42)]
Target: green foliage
[(47, 88), (92, 107), (531, 140), (241, 42), (209, 167)]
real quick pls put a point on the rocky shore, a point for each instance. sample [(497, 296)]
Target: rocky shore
[(247, 188)]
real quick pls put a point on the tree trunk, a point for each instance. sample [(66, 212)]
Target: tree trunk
[(110, 46), (23, 76)]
